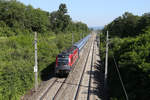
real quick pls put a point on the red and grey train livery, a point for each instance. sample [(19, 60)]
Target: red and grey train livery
[(66, 59)]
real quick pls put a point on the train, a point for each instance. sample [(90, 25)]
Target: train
[(66, 60)]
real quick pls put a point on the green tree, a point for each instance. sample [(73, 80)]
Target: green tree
[(143, 22), (59, 19), (123, 26)]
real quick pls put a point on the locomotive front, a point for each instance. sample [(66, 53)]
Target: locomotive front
[(62, 64)]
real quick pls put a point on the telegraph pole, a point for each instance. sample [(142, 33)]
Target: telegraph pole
[(36, 63), (106, 70)]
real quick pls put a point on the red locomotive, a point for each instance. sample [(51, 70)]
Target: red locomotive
[(66, 60)]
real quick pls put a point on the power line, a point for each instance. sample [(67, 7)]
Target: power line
[(120, 78)]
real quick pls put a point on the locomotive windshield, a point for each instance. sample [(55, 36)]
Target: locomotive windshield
[(63, 61)]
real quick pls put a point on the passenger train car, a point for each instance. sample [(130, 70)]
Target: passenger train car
[(66, 60)]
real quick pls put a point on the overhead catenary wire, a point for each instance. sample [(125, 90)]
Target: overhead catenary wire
[(120, 78)]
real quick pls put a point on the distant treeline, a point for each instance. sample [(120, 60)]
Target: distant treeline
[(128, 25), (130, 44), (16, 18)]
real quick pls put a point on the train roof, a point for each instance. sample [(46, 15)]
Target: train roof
[(78, 45), (80, 42), (68, 51)]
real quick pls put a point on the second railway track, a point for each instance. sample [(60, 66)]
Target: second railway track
[(88, 59)]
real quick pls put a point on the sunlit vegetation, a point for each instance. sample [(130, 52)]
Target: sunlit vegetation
[(18, 23)]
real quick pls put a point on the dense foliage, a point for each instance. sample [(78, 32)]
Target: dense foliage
[(130, 45), (128, 25), (17, 25)]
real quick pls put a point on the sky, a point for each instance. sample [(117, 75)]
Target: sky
[(94, 12)]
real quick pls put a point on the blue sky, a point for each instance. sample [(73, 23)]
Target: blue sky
[(94, 12)]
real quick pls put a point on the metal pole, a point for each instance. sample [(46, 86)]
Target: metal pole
[(106, 69), (36, 63)]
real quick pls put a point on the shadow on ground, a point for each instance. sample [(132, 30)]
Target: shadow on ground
[(99, 79), (48, 72), (98, 75)]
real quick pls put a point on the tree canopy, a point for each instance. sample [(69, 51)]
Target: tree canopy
[(16, 15), (130, 46), (128, 25)]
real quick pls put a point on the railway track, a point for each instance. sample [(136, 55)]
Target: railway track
[(78, 92), (82, 76), (87, 88), (50, 86), (91, 69), (55, 86)]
